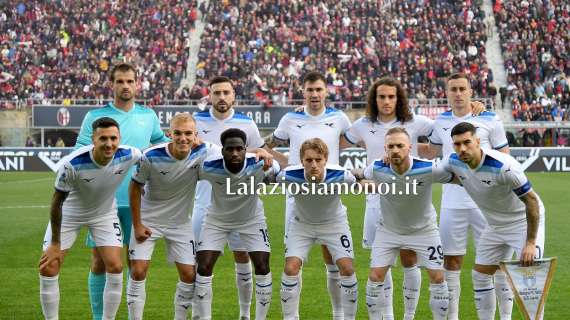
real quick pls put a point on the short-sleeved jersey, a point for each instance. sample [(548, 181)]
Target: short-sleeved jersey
[(169, 183), (490, 131), (139, 128), (210, 128), (317, 208), (92, 187), (297, 127), (373, 134), (495, 186), (404, 212), (228, 208)]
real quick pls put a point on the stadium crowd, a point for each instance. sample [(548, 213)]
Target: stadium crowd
[(49, 53), (354, 41), (536, 49)]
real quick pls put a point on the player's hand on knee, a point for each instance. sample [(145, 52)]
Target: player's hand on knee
[(527, 254), (142, 233), (52, 254), (477, 107)]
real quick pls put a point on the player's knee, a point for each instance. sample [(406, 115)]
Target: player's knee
[(345, 267), (452, 262), (292, 268), (205, 269), (114, 266), (50, 270), (188, 276), (377, 275), (436, 276), (408, 258), (138, 272), (97, 264), (241, 257)]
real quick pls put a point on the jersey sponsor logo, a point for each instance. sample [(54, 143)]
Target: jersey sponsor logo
[(329, 124), (206, 131), (120, 171), (88, 179), (373, 131), (164, 172), (299, 125), (487, 182), (445, 129)]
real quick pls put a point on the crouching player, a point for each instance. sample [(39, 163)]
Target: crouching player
[(317, 219), (409, 221), (161, 196), (497, 184), (230, 212), (85, 196)]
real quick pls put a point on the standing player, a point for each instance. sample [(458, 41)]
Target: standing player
[(85, 196), (168, 174), (317, 219), (210, 124), (387, 107), (408, 221), (233, 214), (314, 121), (458, 211), (515, 214), (139, 128)]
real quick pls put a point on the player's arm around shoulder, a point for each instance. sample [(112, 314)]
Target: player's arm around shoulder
[(442, 173), (136, 191)]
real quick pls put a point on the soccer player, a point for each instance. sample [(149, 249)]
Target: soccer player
[(515, 214), (408, 221), (387, 107), (314, 121), (233, 213), (161, 195), (85, 196), (317, 219), (210, 124), (139, 128), (458, 211)]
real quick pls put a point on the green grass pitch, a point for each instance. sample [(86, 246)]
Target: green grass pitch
[(24, 214)]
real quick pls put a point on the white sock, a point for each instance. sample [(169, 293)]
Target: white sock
[(453, 278), (439, 300), (202, 301), (349, 286), (333, 284), (112, 294), (263, 288), (244, 283), (388, 309), (182, 300), (49, 296), (411, 290), (136, 297), (290, 296), (375, 299), (504, 295), (485, 298)]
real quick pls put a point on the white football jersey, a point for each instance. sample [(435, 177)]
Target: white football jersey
[(233, 210), (210, 128), (490, 131), (373, 134), (297, 127), (92, 187), (169, 183), (495, 185), (315, 208), (404, 212)]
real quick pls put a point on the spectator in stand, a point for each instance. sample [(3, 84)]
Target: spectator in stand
[(536, 50)]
